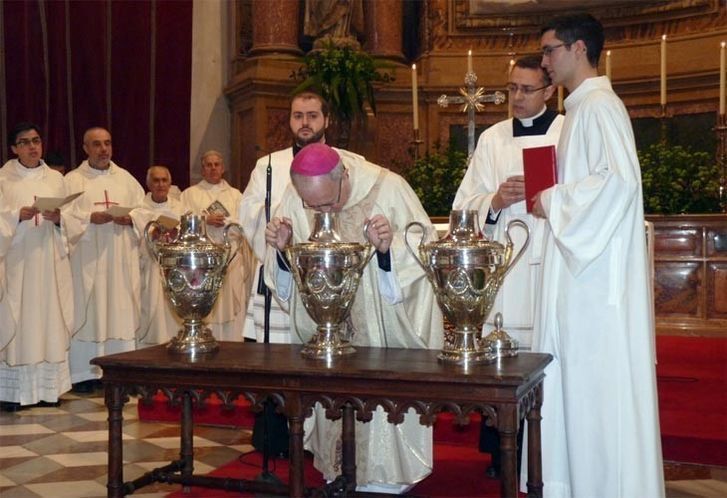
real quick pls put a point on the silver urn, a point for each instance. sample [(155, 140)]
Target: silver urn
[(327, 273), (466, 271), (192, 269)]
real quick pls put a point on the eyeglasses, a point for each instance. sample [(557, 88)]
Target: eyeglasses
[(328, 205), (525, 90), (25, 142), (548, 49)]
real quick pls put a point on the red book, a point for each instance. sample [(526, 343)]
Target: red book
[(540, 170)]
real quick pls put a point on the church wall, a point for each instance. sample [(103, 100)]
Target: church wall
[(209, 112)]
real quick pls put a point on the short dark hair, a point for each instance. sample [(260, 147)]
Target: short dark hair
[(309, 94), (21, 128), (534, 62), (573, 27)]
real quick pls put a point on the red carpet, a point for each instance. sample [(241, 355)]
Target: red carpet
[(692, 383), (451, 462)]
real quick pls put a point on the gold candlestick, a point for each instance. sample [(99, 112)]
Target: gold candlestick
[(416, 142)]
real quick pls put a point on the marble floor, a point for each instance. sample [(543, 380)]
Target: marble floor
[(61, 453)]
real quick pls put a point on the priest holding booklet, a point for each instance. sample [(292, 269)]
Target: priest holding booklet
[(158, 322), (36, 292), (494, 185), (104, 257)]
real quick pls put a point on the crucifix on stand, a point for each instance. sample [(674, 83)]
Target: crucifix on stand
[(472, 99)]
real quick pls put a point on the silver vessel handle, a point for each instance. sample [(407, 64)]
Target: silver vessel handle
[(421, 241), (509, 241), (372, 249), (226, 238), (151, 243)]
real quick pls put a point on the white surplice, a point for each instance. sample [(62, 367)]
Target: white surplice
[(36, 309), (498, 155), (228, 315), (252, 219), (158, 322), (105, 265), (600, 427), (391, 309)]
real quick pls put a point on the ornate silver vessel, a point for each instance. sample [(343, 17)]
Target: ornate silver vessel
[(327, 273), (192, 269), (466, 271)]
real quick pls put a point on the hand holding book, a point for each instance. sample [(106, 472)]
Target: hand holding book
[(539, 166)]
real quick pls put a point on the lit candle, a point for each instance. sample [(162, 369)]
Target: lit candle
[(560, 99), (415, 95), (722, 76), (662, 100), (509, 100), (608, 64), (469, 61)]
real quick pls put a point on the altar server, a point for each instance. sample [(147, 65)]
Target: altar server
[(600, 427)]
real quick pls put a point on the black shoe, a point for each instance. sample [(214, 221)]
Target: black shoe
[(9, 406), (492, 472), (48, 404)]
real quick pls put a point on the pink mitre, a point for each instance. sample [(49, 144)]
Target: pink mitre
[(314, 160)]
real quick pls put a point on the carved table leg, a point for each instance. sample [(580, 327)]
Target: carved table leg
[(348, 447), (186, 446), (535, 461), (295, 447), (508, 424), (115, 403)]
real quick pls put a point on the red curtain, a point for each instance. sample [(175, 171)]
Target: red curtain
[(126, 66)]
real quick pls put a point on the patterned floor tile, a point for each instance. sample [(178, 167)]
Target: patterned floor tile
[(80, 459), (30, 470), (70, 489)]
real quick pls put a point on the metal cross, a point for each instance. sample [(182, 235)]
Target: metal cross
[(472, 99)]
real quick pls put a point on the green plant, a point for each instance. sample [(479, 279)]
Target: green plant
[(344, 76), (436, 177), (678, 180)]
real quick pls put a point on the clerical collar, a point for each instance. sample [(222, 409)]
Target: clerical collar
[(537, 125), (297, 148)]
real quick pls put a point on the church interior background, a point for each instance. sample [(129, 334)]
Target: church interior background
[(173, 79)]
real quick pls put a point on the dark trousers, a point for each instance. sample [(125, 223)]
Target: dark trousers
[(490, 443)]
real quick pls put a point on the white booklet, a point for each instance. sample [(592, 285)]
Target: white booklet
[(118, 211), (167, 222), (53, 203)]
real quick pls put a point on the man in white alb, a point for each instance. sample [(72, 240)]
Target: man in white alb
[(159, 323), (104, 257), (494, 186), (36, 307), (214, 198), (600, 426), (308, 123)]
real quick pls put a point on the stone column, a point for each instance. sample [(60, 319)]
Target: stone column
[(275, 27), (384, 29)]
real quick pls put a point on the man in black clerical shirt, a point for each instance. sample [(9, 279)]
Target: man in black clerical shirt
[(494, 185)]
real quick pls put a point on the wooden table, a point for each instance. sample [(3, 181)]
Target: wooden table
[(504, 392)]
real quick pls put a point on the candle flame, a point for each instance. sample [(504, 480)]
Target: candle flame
[(663, 37), (414, 67)]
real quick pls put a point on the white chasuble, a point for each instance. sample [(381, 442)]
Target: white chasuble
[(158, 321), (406, 316), (600, 427), (105, 265), (497, 157), (36, 307), (227, 317)]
